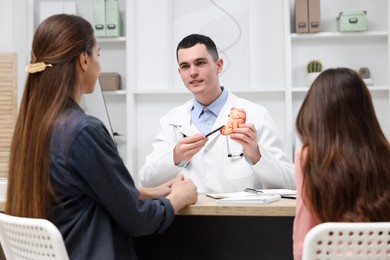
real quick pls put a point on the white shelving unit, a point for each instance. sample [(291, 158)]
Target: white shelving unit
[(272, 57), (349, 49), (112, 58), (265, 61), (158, 26)]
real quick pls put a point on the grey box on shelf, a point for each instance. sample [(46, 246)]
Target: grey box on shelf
[(110, 80), (352, 21)]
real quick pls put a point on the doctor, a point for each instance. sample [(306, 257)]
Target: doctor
[(252, 156)]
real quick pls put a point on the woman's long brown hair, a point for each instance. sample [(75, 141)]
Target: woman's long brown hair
[(346, 173), (58, 40)]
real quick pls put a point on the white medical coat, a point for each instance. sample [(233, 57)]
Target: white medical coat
[(211, 169)]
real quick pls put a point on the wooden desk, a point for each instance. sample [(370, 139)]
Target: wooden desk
[(206, 206), (208, 230)]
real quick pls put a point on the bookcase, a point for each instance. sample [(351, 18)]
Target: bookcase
[(265, 60), (113, 58), (349, 49)]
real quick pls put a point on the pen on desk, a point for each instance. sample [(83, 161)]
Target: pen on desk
[(254, 191), (212, 132)]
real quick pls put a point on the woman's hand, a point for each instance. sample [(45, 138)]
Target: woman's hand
[(159, 191), (183, 193)]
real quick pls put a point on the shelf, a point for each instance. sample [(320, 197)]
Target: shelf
[(111, 40), (275, 90), (338, 35), (114, 92), (185, 91), (371, 88)]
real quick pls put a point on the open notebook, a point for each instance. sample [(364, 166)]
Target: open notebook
[(243, 197), (253, 196), (284, 193)]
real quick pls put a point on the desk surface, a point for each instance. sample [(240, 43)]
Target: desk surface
[(206, 206)]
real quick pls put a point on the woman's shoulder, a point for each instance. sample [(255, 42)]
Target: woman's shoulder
[(74, 120)]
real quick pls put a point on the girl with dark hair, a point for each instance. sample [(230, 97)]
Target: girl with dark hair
[(343, 168)]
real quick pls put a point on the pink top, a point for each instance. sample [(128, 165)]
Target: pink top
[(304, 219)]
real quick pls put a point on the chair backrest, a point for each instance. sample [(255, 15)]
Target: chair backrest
[(352, 240), (31, 238)]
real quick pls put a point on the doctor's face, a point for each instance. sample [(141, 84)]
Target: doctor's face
[(199, 72)]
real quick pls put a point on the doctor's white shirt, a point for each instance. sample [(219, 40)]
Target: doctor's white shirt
[(211, 169)]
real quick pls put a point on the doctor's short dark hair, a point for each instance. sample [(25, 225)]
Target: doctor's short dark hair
[(193, 39)]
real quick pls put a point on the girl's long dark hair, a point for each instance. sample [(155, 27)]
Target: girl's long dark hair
[(58, 41), (346, 173)]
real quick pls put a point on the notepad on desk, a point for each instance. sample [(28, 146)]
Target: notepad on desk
[(256, 199), (284, 193), (243, 197)]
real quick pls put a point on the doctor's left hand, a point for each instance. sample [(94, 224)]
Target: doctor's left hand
[(246, 135)]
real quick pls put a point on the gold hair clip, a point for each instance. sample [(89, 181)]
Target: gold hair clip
[(37, 67)]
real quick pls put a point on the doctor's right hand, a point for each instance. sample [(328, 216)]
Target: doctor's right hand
[(187, 147)]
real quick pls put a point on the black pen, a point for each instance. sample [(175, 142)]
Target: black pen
[(212, 132), (254, 191)]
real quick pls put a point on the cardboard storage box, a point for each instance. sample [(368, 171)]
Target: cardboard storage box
[(352, 21), (110, 80)]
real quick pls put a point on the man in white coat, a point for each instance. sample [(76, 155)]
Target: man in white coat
[(251, 157)]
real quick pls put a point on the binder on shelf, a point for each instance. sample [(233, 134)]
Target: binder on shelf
[(301, 16), (99, 17), (113, 20), (314, 8)]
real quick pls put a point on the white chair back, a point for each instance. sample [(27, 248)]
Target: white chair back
[(352, 240), (31, 238)]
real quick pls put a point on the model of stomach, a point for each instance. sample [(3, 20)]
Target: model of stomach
[(236, 118)]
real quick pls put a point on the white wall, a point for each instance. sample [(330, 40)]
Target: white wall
[(13, 18), (6, 14)]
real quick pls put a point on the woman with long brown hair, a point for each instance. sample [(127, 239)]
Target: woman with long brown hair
[(65, 167), (343, 168)]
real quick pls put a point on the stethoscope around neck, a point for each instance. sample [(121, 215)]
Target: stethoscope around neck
[(229, 152)]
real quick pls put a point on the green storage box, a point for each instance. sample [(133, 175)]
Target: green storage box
[(352, 21)]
